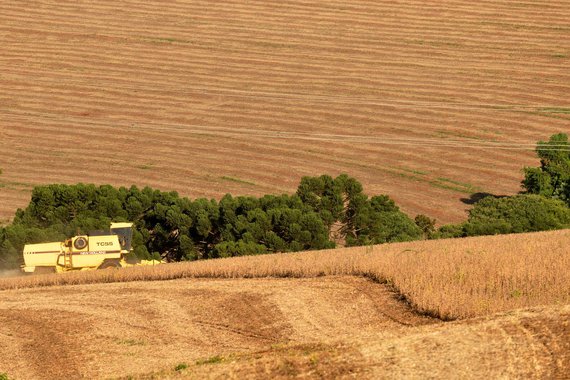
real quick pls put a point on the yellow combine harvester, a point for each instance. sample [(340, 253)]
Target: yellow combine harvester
[(98, 250)]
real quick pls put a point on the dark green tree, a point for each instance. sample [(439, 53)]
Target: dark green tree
[(552, 178), (449, 231), (324, 195), (426, 225), (381, 221), (520, 213)]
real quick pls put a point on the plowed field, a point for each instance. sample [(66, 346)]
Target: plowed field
[(210, 97), (324, 327)]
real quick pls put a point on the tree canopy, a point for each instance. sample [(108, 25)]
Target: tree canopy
[(552, 178), (520, 213)]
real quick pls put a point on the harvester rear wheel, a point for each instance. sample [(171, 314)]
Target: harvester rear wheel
[(109, 264)]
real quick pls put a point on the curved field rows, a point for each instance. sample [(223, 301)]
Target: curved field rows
[(103, 331), (208, 98), (314, 328)]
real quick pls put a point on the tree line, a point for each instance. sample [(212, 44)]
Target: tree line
[(323, 213)]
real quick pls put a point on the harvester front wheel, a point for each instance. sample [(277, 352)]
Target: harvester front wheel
[(109, 264)]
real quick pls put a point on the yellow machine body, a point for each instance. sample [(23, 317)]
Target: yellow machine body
[(83, 252)]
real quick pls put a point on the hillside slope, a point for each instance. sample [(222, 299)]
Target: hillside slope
[(209, 98), (330, 326)]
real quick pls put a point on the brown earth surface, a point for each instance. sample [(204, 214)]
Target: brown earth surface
[(258, 328), (207, 98)]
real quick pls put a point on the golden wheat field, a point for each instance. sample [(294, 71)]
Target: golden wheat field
[(448, 279), (367, 312), (206, 98)]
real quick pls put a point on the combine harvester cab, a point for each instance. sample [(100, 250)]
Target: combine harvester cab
[(98, 250)]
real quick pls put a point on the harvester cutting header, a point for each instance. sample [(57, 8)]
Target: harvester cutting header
[(97, 250)]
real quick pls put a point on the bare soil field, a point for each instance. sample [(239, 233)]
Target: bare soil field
[(254, 328), (207, 98)]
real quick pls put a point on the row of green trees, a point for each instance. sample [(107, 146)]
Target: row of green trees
[(323, 212), (504, 215)]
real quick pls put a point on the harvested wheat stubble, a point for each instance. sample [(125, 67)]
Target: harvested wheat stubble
[(454, 278), (143, 90), (325, 327)]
